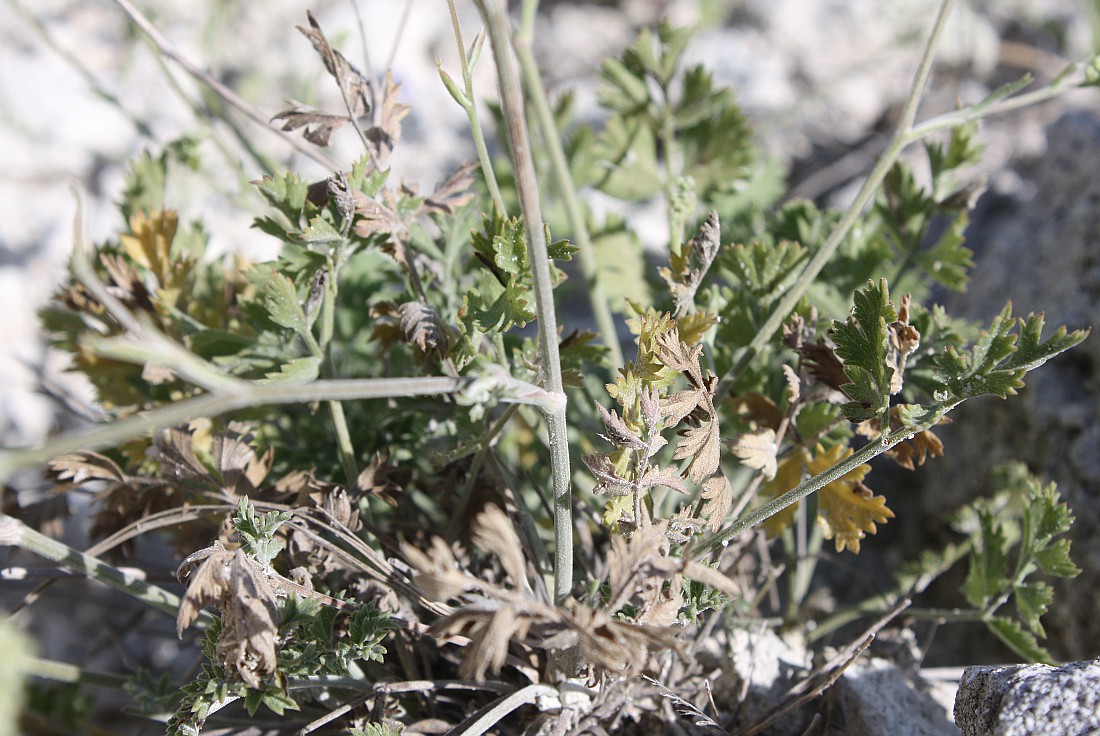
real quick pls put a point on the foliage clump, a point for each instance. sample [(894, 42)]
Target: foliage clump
[(344, 443)]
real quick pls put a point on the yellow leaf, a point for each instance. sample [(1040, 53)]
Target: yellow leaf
[(788, 474), (149, 242), (847, 510)]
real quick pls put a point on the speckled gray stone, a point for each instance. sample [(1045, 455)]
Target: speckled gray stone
[(1030, 700)]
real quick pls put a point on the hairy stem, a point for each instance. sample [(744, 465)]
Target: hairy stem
[(816, 483), (495, 14), (265, 394), (567, 190), (15, 533)]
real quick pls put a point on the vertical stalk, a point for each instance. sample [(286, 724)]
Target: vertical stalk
[(495, 15), (544, 116), (469, 104)]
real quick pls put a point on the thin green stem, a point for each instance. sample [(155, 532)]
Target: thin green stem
[(901, 138), (816, 483), (544, 116), (51, 669), (469, 103), (495, 15), (15, 533), (344, 449)]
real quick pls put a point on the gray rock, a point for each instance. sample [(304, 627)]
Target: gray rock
[(1030, 700)]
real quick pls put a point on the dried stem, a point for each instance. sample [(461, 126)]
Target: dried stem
[(567, 190), (169, 50), (494, 13)]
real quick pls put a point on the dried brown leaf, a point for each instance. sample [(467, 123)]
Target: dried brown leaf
[(633, 563), (758, 451), (421, 326), (493, 532), (377, 478), (677, 406), (438, 574), (718, 494), (703, 446), (655, 476), (618, 432), (234, 583), (354, 86), (77, 468), (607, 480), (455, 191), (757, 410), (376, 218), (903, 340), (489, 644), (318, 126), (384, 136)]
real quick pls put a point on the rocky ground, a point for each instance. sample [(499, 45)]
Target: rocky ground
[(81, 92)]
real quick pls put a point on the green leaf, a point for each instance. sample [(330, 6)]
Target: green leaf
[(278, 702), (1032, 352), (995, 365), (1020, 641), (628, 150), (1032, 601), (988, 573), (258, 532), (949, 261), (297, 371), (962, 151), (280, 299), (320, 232), (1055, 560), (861, 342)]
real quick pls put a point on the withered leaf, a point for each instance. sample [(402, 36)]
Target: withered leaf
[(758, 451), (718, 494), (669, 477), (318, 125), (354, 86), (757, 410), (703, 446), (236, 469), (376, 479), (794, 384), (607, 480), (421, 327), (455, 191), (234, 583), (385, 135), (489, 644), (494, 533), (376, 218), (438, 574), (846, 509), (633, 562), (823, 364), (618, 433), (77, 468), (677, 406), (903, 339)]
